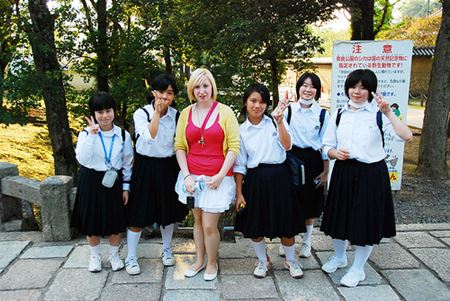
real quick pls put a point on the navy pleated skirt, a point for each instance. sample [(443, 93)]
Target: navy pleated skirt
[(153, 198), (310, 198), (272, 210), (98, 211), (359, 206)]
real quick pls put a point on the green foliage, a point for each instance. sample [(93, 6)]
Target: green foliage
[(419, 8)]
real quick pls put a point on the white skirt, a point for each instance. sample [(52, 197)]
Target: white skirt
[(210, 200)]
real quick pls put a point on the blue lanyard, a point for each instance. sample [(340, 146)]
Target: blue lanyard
[(107, 158)]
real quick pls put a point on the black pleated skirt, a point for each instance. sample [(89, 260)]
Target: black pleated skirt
[(310, 198), (153, 198), (98, 211), (272, 210), (359, 205)]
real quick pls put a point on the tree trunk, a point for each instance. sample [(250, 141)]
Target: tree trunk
[(167, 59), (433, 144), (2, 78), (274, 80), (361, 12), (102, 47), (41, 35)]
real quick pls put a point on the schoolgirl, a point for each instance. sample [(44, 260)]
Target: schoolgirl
[(155, 170), (105, 153), (308, 123), (359, 206), (264, 199)]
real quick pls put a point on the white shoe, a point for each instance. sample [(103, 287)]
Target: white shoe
[(261, 269), (333, 264), (281, 251), (210, 277), (352, 278), (167, 258), (305, 250), (191, 273), (132, 266), (295, 268), (116, 262), (95, 263)]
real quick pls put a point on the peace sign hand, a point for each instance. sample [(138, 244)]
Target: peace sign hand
[(382, 104), (161, 104), (93, 127)]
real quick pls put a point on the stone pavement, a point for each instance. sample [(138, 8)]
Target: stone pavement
[(415, 265)]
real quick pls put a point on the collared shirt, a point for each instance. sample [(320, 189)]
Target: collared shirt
[(260, 143), (161, 146), (90, 153), (305, 126), (358, 132)]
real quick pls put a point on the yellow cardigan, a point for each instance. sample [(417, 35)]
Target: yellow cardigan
[(227, 122)]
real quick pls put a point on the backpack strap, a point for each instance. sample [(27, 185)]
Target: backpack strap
[(123, 135), (177, 116), (146, 113), (322, 118), (273, 121), (380, 125), (338, 117), (289, 116)]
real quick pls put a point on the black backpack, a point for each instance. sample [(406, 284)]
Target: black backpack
[(321, 117)]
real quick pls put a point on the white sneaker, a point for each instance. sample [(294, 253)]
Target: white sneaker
[(261, 269), (116, 262), (132, 266), (333, 264), (294, 267), (352, 278), (281, 251), (95, 263), (167, 258), (305, 250)]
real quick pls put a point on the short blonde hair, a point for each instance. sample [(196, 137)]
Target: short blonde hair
[(197, 77)]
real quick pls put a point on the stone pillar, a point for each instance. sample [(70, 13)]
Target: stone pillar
[(9, 206), (55, 208)]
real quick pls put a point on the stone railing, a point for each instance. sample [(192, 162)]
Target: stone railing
[(53, 195)]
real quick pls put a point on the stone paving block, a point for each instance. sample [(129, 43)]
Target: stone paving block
[(372, 293), (446, 240), (313, 286), (151, 272), (47, 252), (188, 295), (247, 287), (436, 259), (423, 227), (372, 277), (144, 250), (79, 258), (28, 295), (183, 247), (277, 261), (135, 292), (34, 236), (175, 278), (417, 240), (392, 256), (10, 250), (29, 273), (440, 233), (237, 266), (324, 243), (76, 284), (417, 285), (233, 250)]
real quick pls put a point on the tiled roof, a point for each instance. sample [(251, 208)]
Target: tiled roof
[(423, 51)]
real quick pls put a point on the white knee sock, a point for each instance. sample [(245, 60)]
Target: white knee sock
[(260, 250), (166, 234), (289, 252), (361, 256), (308, 234), (95, 250), (340, 248), (113, 249), (132, 243)]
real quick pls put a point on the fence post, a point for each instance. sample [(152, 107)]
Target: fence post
[(9, 206), (55, 207)]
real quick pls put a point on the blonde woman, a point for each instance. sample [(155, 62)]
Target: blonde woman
[(206, 145)]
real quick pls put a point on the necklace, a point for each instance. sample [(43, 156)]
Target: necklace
[(205, 121)]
